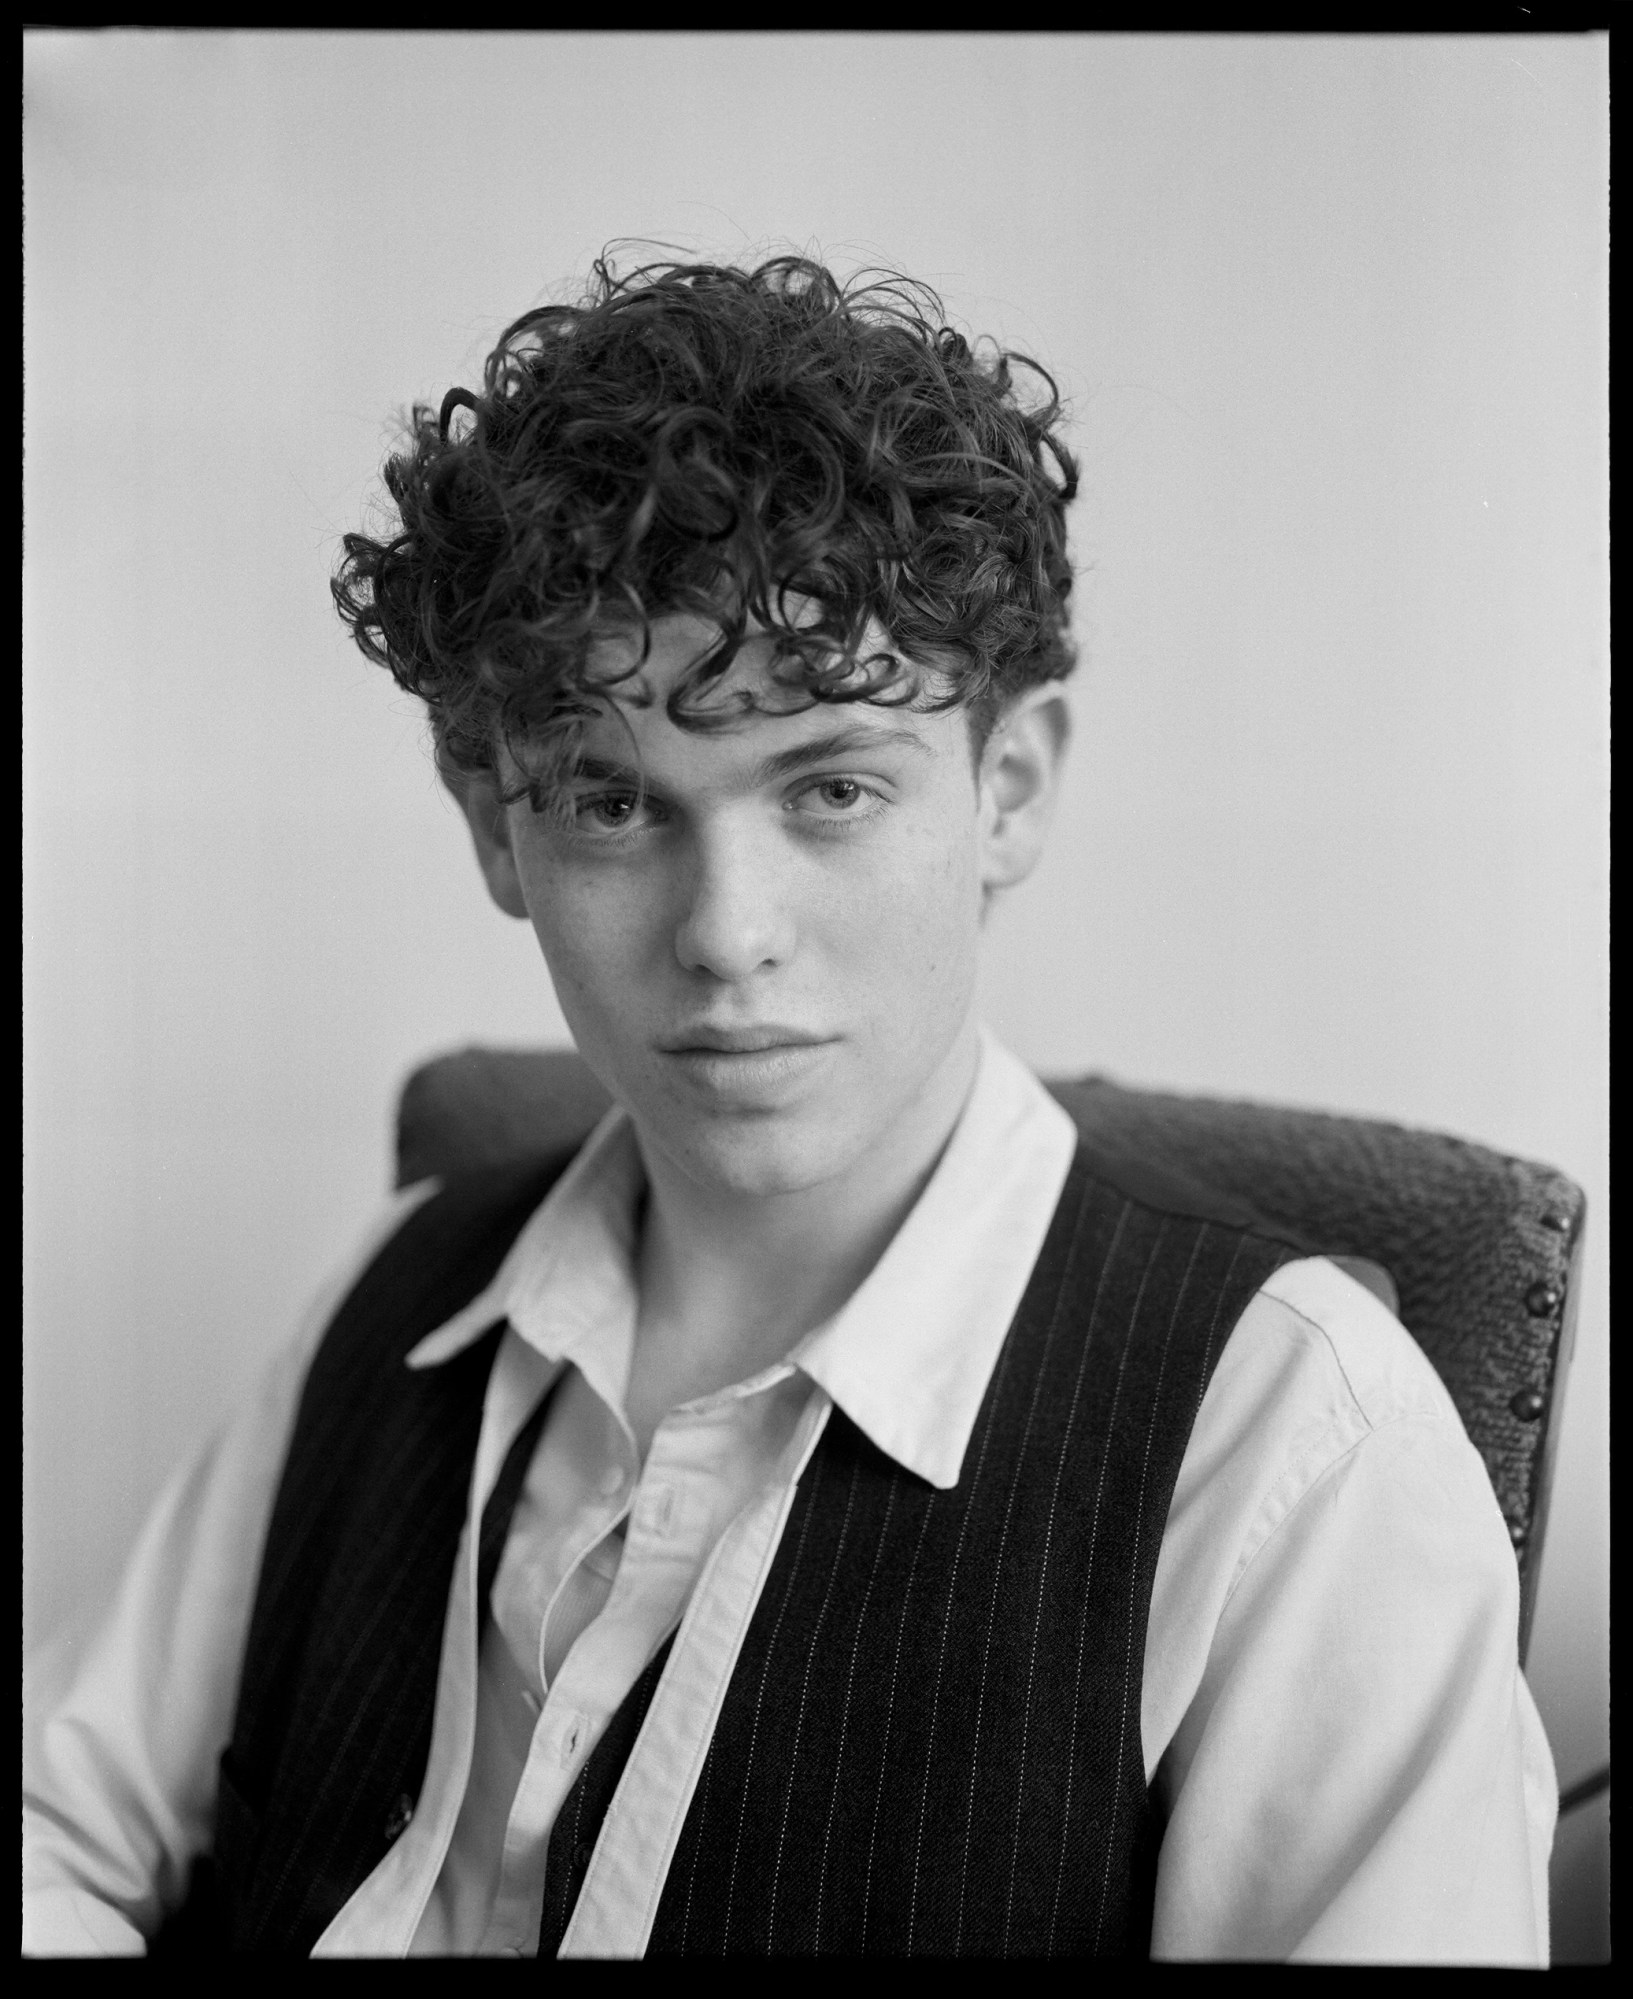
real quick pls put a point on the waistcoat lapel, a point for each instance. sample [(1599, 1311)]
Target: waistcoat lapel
[(333, 1724)]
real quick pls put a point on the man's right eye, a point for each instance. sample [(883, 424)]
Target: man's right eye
[(606, 811)]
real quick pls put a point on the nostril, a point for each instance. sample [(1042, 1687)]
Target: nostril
[(733, 932)]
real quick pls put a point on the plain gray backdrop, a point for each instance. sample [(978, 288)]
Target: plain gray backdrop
[(1331, 318)]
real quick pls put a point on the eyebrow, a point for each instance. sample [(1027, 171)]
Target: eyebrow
[(850, 739)]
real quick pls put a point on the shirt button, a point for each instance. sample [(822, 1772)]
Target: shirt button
[(581, 1856), (397, 1818)]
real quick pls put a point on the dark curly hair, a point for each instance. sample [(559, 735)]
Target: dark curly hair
[(707, 439)]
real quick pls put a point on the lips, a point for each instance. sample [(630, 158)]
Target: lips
[(748, 1070), (740, 1040)]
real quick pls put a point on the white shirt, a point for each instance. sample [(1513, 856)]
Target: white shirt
[(1332, 1712)]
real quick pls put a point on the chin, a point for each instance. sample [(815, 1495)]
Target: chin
[(755, 1156)]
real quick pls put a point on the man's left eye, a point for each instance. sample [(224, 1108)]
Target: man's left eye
[(840, 794)]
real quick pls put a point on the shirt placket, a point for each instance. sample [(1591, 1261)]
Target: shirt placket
[(618, 1899), (665, 1545)]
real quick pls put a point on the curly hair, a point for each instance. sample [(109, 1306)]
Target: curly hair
[(763, 444)]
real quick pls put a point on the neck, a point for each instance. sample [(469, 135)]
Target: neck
[(730, 1282)]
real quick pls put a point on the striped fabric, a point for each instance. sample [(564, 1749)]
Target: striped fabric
[(333, 1725), (578, 1823), (931, 1740)]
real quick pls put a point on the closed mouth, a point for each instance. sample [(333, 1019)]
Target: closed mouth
[(741, 1040)]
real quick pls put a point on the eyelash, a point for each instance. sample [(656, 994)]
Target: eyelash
[(828, 826)]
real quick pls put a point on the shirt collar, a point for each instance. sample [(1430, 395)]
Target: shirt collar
[(908, 1358), (567, 1283)]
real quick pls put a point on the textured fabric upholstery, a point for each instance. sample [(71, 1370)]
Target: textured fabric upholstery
[(1482, 1250)]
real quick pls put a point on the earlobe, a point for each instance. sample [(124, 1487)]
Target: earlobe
[(1020, 775), (477, 796)]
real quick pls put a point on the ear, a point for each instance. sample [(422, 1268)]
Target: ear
[(477, 796), (1019, 778)]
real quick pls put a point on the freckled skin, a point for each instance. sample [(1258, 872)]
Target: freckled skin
[(854, 914)]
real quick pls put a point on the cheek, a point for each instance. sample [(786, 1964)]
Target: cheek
[(913, 920), (588, 933)]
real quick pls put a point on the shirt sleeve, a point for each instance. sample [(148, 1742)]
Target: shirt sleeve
[(125, 1724), (1360, 1774)]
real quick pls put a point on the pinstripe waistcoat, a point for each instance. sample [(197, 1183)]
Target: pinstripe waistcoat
[(931, 1740)]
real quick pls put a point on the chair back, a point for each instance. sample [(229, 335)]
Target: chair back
[(1482, 1251)]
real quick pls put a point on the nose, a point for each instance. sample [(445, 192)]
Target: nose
[(738, 913)]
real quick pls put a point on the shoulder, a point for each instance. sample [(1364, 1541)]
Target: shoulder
[(433, 1251), (1348, 1406), (383, 1226), (1318, 1381), (1327, 1461), (1315, 1368), (453, 1215), (1343, 1345)]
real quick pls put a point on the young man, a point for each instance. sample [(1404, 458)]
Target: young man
[(836, 1510)]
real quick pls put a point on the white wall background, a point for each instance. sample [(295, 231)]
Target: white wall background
[(1332, 316)]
